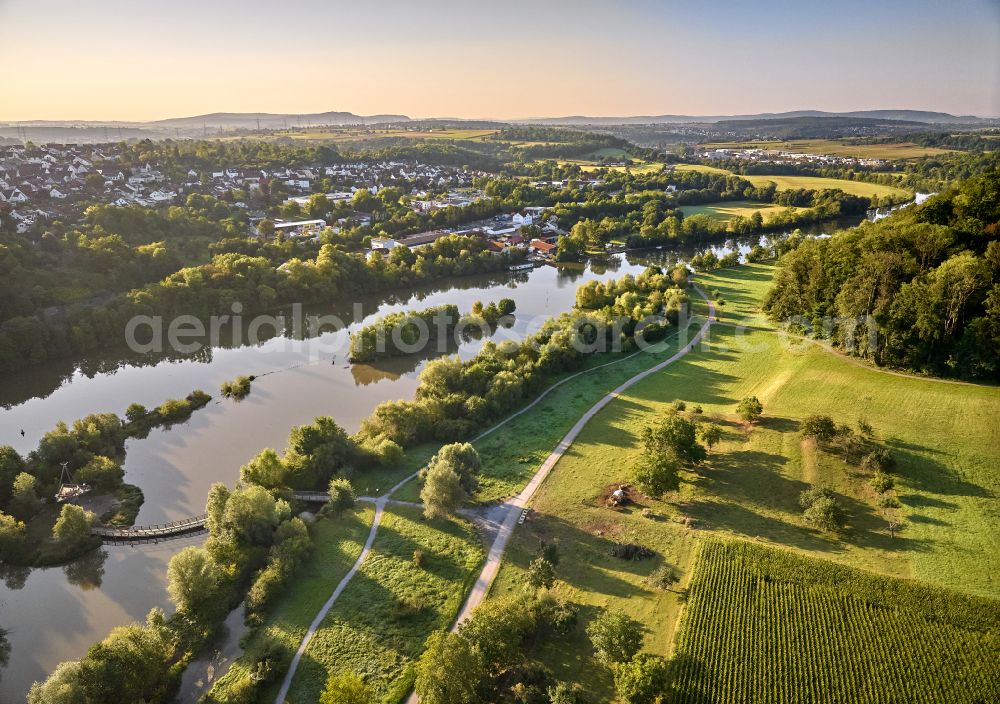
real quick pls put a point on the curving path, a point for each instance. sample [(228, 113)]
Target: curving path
[(513, 507)]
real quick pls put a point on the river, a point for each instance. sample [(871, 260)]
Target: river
[(55, 614)]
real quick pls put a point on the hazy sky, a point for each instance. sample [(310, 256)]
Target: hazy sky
[(112, 59)]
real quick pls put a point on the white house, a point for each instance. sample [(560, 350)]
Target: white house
[(14, 195), (162, 196), (518, 220), (384, 243), (56, 193)]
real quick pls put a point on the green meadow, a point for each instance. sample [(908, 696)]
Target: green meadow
[(943, 435)]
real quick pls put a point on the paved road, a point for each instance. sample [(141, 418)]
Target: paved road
[(513, 506)]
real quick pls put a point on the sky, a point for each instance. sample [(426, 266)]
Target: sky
[(127, 60)]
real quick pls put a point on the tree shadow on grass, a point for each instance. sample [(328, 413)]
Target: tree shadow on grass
[(742, 520), (929, 475), (585, 559), (922, 501), (694, 383)]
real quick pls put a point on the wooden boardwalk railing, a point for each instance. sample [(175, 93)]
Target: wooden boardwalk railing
[(185, 526), (160, 531), (316, 497)]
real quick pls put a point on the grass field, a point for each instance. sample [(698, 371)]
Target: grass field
[(836, 147), (702, 168), (727, 210), (378, 625), (338, 542), (591, 165), (815, 183), (810, 631), (942, 435)]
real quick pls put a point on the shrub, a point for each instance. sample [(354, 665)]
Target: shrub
[(419, 558), (824, 513), (750, 409), (881, 482), (879, 460), (565, 693), (642, 680), (237, 389), (616, 637), (656, 477), (102, 473), (541, 573), (341, 495), (346, 688), (663, 577), (820, 427), (631, 551)]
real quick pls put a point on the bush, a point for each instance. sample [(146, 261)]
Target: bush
[(419, 558), (663, 577), (642, 680), (820, 427), (616, 637), (881, 482), (237, 389), (565, 693), (102, 473), (346, 688), (541, 573), (631, 551), (656, 477), (879, 460), (750, 409), (341, 495), (72, 528), (824, 513)]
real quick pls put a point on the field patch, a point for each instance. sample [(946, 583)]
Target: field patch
[(725, 211), (767, 625), (377, 627), (819, 183)]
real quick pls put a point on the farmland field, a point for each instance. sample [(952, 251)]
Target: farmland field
[(816, 183), (591, 165), (727, 210), (764, 625), (835, 147)]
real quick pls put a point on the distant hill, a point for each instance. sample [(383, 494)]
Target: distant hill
[(267, 120), (918, 116)]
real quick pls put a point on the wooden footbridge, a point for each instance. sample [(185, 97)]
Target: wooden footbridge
[(128, 535)]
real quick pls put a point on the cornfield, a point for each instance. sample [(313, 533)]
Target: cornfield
[(768, 626)]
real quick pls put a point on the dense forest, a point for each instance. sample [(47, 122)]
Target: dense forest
[(918, 290)]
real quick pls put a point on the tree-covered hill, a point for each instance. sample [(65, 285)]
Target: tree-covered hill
[(918, 290)]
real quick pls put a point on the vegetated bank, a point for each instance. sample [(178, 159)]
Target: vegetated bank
[(84, 460)]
